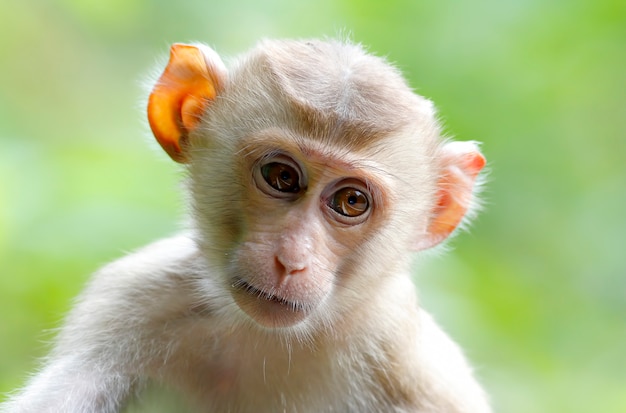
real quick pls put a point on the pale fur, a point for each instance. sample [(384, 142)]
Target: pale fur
[(165, 314)]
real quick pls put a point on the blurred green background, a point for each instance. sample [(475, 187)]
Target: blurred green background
[(535, 293)]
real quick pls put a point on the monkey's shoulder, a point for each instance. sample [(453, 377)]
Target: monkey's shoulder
[(139, 299), (162, 260), (157, 279)]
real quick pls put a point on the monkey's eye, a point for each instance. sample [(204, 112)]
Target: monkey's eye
[(281, 177), (349, 202)]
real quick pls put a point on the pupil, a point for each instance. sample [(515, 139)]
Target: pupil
[(285, 175), (352, 199)]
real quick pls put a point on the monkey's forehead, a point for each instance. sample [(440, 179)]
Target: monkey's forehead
[(332, 89)]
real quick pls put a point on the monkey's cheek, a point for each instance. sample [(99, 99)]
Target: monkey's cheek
[(271, 312)]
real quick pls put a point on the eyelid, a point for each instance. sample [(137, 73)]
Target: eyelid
[(350, 183)]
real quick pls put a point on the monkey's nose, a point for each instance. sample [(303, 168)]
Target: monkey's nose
[(286, 267)]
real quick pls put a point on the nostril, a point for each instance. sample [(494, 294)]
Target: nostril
[(296, 271), (279, 266)]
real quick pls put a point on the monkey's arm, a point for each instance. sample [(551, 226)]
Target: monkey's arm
[(114, 333), (70, 384)]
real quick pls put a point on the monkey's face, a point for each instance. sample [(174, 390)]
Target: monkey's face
[(311, 174), (305, 213)]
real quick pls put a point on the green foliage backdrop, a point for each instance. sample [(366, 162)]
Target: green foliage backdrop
[(536, 292)]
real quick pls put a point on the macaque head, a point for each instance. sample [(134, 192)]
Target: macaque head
[(313, 170)]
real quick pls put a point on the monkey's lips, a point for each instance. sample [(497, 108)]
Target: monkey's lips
[(267, 308)]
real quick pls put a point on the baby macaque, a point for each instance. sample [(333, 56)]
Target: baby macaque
[(313, 172)]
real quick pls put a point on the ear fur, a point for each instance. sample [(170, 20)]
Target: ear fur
[(192, 79), (462, 163)]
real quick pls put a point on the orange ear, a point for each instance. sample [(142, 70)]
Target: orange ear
[(462, 164), (193, 77)]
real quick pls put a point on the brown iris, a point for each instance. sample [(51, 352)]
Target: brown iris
[(281, 177), (349, 202)]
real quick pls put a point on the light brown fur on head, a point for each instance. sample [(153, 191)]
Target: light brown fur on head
[(357, 98), (332, 91)]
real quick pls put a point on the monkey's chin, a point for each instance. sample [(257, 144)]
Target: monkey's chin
[(268, 310)]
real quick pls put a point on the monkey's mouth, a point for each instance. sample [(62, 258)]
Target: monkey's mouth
[(268, 308), (247, 288)]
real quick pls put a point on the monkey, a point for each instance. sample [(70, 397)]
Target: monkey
[(313, 173)]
